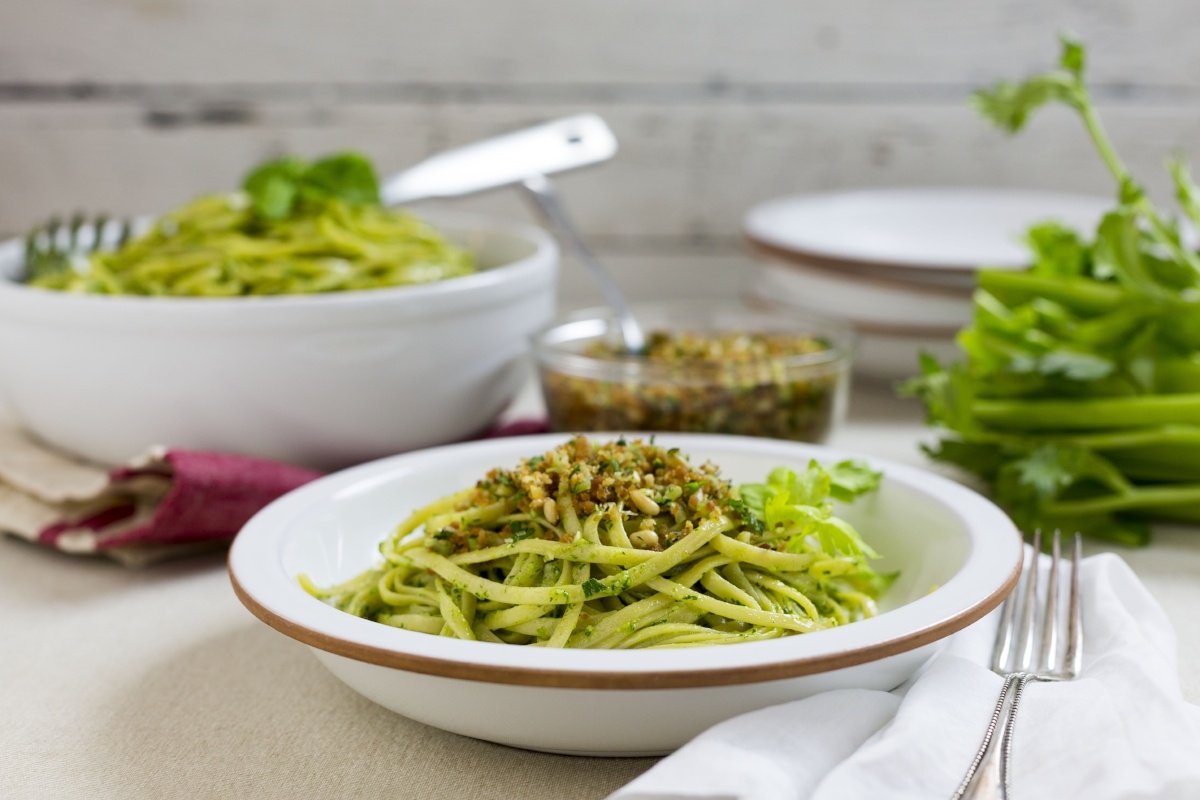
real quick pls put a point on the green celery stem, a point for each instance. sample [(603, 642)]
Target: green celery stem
[(1183, 438), (1140, 498), (1082, 294), (1100, 138), (1189, 512), (1089, 413)]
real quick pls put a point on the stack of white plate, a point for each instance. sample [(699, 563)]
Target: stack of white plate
[(899, 264)]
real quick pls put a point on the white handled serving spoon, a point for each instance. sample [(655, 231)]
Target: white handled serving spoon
[(504, 160), (524, 159)]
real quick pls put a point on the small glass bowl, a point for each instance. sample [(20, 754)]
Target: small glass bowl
[(799, 397)]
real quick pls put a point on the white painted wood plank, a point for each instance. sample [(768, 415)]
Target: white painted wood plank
[(717, 43), (690, 274), (684, 174)]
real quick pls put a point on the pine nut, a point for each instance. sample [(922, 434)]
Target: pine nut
[(644, 539), (644, 503)]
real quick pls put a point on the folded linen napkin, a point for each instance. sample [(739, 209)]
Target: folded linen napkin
[(1120, 730), (164, 504)]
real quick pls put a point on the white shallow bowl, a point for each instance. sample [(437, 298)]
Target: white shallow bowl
[(958, 556), (318, 380)]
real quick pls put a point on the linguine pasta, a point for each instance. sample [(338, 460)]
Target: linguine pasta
[(218, 246), (623, 545)]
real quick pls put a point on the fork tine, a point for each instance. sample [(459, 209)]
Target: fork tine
[(1002, 650), (99, 227), (1049, 658), (76, 225), (53, 227), (126, 231), (33, 241), (1073, 659), (1024, 653)]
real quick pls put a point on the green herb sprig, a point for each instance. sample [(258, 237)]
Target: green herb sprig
[(278, 187)]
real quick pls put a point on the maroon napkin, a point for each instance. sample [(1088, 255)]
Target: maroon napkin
[(166, 503), (181, 498)]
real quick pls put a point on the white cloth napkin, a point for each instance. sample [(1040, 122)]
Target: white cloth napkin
[(1120, 730)]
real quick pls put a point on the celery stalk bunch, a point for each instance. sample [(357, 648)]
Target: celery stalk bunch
[(1079, 400)]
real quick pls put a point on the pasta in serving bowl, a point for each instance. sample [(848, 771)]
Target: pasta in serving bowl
[(954, 554), (317, 379)]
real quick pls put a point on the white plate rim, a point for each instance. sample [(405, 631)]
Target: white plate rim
[(760, 228)]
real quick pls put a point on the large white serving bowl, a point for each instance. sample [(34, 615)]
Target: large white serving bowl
[(318, 380), (957, 554)]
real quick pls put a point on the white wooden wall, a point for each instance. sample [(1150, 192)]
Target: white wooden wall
[(131, 106)]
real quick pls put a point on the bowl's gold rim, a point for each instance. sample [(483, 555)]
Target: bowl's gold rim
[(581, 679)]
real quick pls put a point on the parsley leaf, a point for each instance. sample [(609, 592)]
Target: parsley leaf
[(748, 518), (522, 530), (592, 586)]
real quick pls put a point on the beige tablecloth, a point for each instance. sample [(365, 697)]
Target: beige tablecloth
[(158, 684)]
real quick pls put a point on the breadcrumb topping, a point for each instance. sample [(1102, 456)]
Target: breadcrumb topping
[(658, 493)]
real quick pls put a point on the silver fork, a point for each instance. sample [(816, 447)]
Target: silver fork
[(1013, 657), (50, 247)]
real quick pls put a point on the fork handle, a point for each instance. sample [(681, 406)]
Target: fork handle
[(1010, 729), (991, 763)]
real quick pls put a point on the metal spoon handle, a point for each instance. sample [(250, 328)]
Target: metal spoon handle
[(554, 146), (540, 191)]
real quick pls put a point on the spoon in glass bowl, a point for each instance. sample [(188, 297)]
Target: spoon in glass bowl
[(524, 159), (540, 191)]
